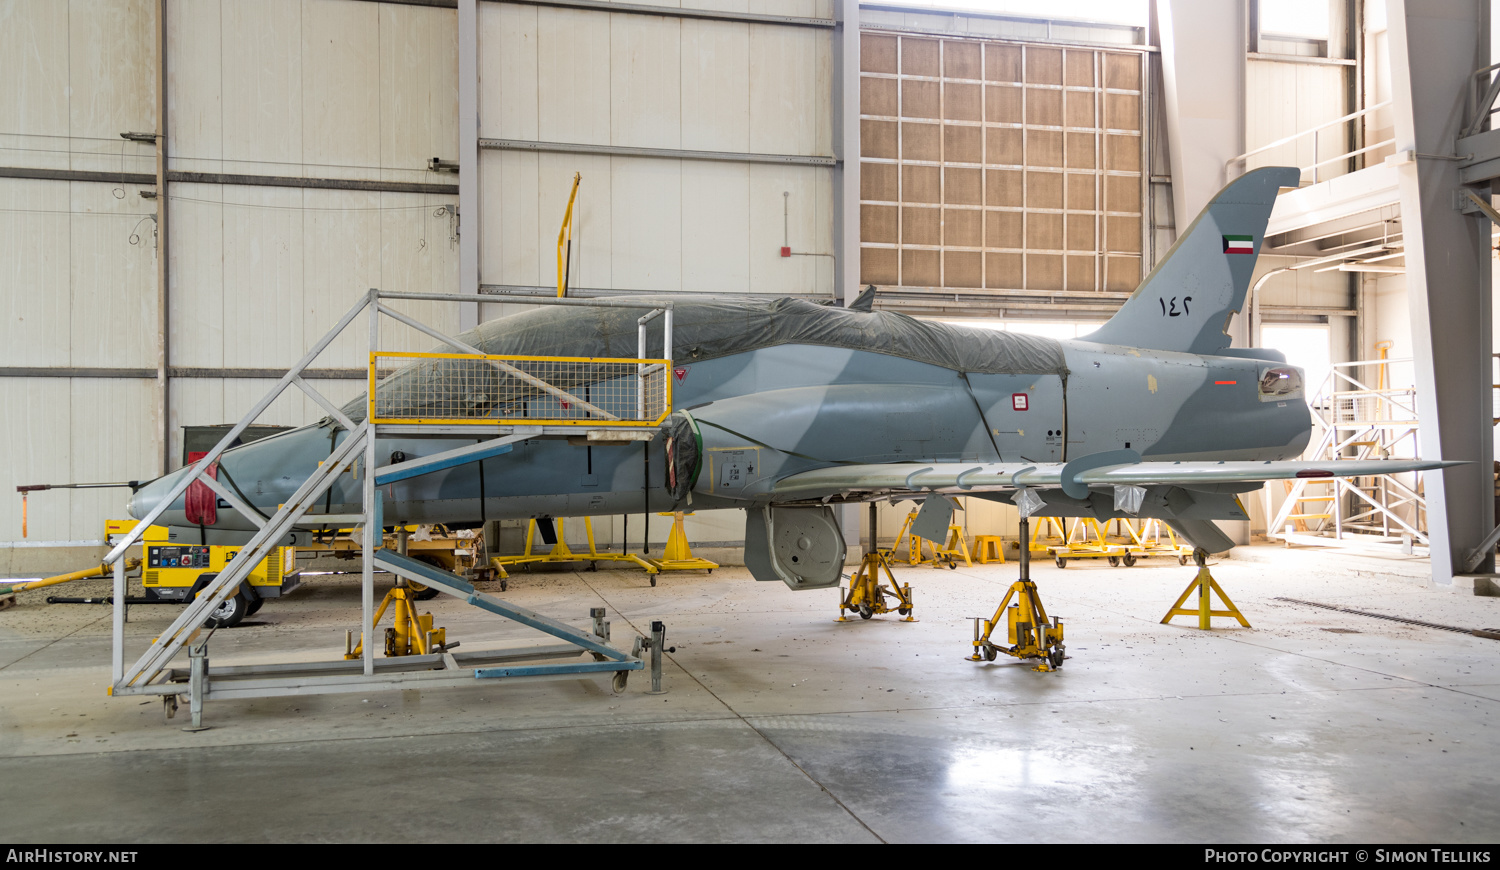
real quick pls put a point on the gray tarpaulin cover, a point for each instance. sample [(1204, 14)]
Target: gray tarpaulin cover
[(709, 329)]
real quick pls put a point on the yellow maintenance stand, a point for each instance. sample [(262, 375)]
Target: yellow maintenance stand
[(1205, 584), (561, 553), (678, 555), (948, 553), (1031, 635), (1147, 540), (866, 595), (913, 544)]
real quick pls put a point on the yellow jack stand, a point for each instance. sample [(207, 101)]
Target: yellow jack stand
[(1204, 583), (561, 553), (678, 555), (866, 595), (1031, 635), (412, 633)]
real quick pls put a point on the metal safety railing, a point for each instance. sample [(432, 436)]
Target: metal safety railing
[(1237, 166), (467, 389), (1479, 97)]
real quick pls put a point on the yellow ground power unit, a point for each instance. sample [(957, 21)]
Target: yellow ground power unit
[(177, 571)]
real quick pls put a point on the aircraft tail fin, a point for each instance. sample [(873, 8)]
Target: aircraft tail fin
[(1187, 300)]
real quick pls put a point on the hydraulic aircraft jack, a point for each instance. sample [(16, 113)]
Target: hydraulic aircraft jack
[(412, 633), (1204, 583), (866, 596), (1031, 635)]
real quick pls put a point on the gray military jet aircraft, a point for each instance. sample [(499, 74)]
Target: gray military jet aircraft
[(787, 407)]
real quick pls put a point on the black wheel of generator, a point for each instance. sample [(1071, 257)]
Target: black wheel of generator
[(255, 602), (228, 614)]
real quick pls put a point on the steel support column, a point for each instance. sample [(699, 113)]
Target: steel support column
[(163, 274), (1203, 76), (468, 160), (845, 123), (1435, 46)]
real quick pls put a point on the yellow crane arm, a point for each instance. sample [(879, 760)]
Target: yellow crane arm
[(565, 240)]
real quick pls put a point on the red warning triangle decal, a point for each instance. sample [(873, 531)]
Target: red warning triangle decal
[(680, 373)]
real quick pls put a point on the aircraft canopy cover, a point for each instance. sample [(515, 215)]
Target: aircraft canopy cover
[(709, 329)]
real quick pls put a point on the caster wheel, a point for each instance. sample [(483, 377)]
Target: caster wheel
[(1182, 560), (593, 566), (1114, 561), (952, 566), (904, 611), (617, 683), (1061, 562), (504, 585), (653, 583), (865, 612), (989, 653), (1055, 659), (1129, 560)]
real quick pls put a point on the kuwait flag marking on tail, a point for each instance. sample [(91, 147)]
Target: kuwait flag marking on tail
[(1239, 244)]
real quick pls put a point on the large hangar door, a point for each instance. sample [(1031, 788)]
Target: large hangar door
[(1001, 166)]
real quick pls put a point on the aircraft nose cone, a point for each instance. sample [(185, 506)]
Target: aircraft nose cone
[(145, 499)]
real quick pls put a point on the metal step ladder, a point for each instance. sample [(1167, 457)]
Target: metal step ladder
[(153, 674)]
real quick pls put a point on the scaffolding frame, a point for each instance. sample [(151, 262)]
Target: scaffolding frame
[(1358, 421), (152, 673)]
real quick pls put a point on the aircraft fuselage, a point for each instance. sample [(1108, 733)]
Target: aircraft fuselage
[(779, 410)]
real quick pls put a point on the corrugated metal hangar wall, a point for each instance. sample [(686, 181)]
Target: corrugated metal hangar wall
[(1019, 159)]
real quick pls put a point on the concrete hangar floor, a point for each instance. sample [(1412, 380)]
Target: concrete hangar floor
[(782, 725)]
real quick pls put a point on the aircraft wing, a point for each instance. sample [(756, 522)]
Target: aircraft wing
[(957, 478)]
